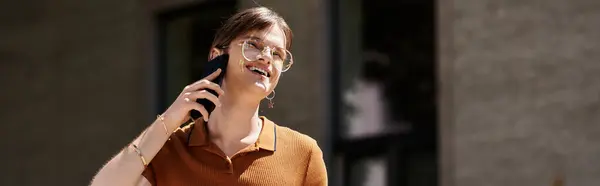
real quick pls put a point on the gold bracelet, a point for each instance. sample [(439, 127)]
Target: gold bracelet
[(162, 120), (139, 153)]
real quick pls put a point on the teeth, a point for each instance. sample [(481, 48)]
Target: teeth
[(258, 69)]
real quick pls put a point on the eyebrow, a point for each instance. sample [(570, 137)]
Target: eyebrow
[(259, 39), (253, 37)]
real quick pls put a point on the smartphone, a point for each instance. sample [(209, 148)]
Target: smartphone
[(219, 62)]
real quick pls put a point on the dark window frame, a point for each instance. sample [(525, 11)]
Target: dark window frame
[(390, 146)]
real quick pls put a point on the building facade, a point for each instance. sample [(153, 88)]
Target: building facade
[(449, 93)]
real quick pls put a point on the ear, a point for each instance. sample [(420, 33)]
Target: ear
[(214, 52)]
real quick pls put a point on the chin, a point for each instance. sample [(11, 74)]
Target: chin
[(261, 87)]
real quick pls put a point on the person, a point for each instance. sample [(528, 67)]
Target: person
[(232, 145)]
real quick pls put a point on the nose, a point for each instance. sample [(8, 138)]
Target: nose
[(266, 56)]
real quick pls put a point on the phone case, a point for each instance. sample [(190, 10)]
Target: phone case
[(209, 68)]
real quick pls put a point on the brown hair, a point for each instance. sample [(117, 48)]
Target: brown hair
[(252, 19)]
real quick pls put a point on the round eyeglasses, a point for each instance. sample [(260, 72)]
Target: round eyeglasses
[(254, 50)]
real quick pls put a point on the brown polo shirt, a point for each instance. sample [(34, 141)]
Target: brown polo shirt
[(280, 156)]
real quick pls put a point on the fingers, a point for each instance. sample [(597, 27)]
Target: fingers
[(208, 78), (213, 75), (191, 93), (204, 84), (190, 97), (201, 109), (203, 94)]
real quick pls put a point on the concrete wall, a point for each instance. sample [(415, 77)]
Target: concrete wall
[(520, 92), (74, 88)]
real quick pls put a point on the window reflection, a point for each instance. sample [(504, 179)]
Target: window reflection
[(387, 84), (370, 172)]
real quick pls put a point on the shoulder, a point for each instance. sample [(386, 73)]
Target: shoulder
[(304, 152), (288, 133), (290, 137)]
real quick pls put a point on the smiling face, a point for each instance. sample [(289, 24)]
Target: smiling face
[(256, 78), (265, 38)]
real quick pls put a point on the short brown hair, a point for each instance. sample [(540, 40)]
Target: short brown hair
[(252, 19)]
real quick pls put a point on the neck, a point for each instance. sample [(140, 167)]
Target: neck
[(235, 121)]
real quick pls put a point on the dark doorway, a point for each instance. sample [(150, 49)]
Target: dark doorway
[(185, 34), (384, 64)]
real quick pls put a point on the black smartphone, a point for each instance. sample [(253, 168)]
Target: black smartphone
[(219, 62)]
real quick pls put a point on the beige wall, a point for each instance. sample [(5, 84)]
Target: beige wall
[(520, 84)]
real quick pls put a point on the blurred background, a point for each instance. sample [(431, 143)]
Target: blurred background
[(396, 92)]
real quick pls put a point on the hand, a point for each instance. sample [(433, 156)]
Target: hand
[(179, 111)]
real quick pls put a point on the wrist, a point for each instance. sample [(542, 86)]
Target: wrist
[(167, 122)]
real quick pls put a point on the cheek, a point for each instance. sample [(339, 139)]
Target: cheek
[(275, 79), (234, 62), (235, 56)]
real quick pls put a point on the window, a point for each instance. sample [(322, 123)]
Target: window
[(184, 38), (384, 63)]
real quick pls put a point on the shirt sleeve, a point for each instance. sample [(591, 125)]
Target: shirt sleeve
[(149, 174), (316, 173)]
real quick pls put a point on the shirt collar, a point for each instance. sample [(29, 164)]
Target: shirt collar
[(266, 139)]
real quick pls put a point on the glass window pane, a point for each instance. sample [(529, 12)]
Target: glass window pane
[(369, 172), (185, 36), (387, 91)]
